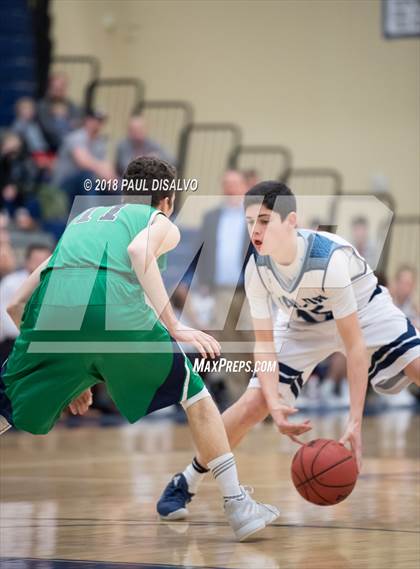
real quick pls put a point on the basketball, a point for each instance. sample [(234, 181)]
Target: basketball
[(324, 472)]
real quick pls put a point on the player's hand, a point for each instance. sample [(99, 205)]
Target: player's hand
[(204, 343), (81, 404), (292, 430), (353, 436)]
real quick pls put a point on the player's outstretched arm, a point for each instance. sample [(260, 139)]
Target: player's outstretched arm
[(161, 237), (16, 306), (357, 373), (264, 351)]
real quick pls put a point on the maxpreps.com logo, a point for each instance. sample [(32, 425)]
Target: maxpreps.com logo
[(227, 366)]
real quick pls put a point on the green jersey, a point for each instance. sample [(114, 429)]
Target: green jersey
[(99, 238), (91, 266), (88, 321)]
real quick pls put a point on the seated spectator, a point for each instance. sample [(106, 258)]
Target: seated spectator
[(7, 255), (16, 166), (83, 155), (361, 240), (28, 218), (27, 127), (35, 255), (138, 144), (252, 177), (57, 115), (10, 200), (403, 289), (18, 178)]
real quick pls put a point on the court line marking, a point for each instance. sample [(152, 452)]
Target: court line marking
[(51, 478), (83, 460), (191, 523), (107, 563), (122, 458)]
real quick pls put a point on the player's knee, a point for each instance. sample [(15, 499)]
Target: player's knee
[(204, 407), (254, 406)]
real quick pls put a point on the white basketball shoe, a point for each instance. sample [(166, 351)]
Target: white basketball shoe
[(246, 517)]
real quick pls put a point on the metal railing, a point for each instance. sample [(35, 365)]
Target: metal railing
[(205, 149), (204, 152), (318, 191), (270, 162), (165, 122), (403, 246), (81, 70), (315, 181), (119, 98)]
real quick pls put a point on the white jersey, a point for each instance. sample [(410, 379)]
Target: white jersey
[(327, 280)]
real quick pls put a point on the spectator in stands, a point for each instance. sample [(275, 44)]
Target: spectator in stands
[(138, 144), (224, 264), (28, 218), (361, 240), (83, 155), (252, 177), (18, 178), (4, 223), (57, 115), (220, 269), (27, 127), (16, 166), (403, 289), (35, 255), (7, 255)]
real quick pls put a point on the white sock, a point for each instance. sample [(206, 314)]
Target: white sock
[(194, 474), (224, 471)]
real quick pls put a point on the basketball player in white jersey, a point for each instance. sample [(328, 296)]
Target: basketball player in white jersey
[(326, 299)]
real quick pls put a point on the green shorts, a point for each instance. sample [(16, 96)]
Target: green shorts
[(143, 368)]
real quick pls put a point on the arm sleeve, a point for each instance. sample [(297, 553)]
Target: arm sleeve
[(258, 297), (339, 286), (74, 141)]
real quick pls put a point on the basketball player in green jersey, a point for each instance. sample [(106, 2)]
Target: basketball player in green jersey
[(84, 319)]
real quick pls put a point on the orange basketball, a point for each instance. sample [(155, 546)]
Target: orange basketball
[(324, 472)]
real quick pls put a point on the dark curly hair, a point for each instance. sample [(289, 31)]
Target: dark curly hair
[(273, 195), (147, 169)]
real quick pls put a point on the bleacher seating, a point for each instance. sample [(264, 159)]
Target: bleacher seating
[(17, 64)]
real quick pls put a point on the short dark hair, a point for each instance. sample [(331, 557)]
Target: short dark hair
[(360, 220), (275, 196), (148, 169), (250, 173)]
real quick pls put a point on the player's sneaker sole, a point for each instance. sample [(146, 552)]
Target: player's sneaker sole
[(250, 529), (4, 425), (172, 505), (247, 517), (181, 514)]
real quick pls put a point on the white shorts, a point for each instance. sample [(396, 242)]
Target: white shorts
[(392, 341)]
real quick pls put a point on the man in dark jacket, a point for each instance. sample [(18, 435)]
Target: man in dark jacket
[(220, 272)]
